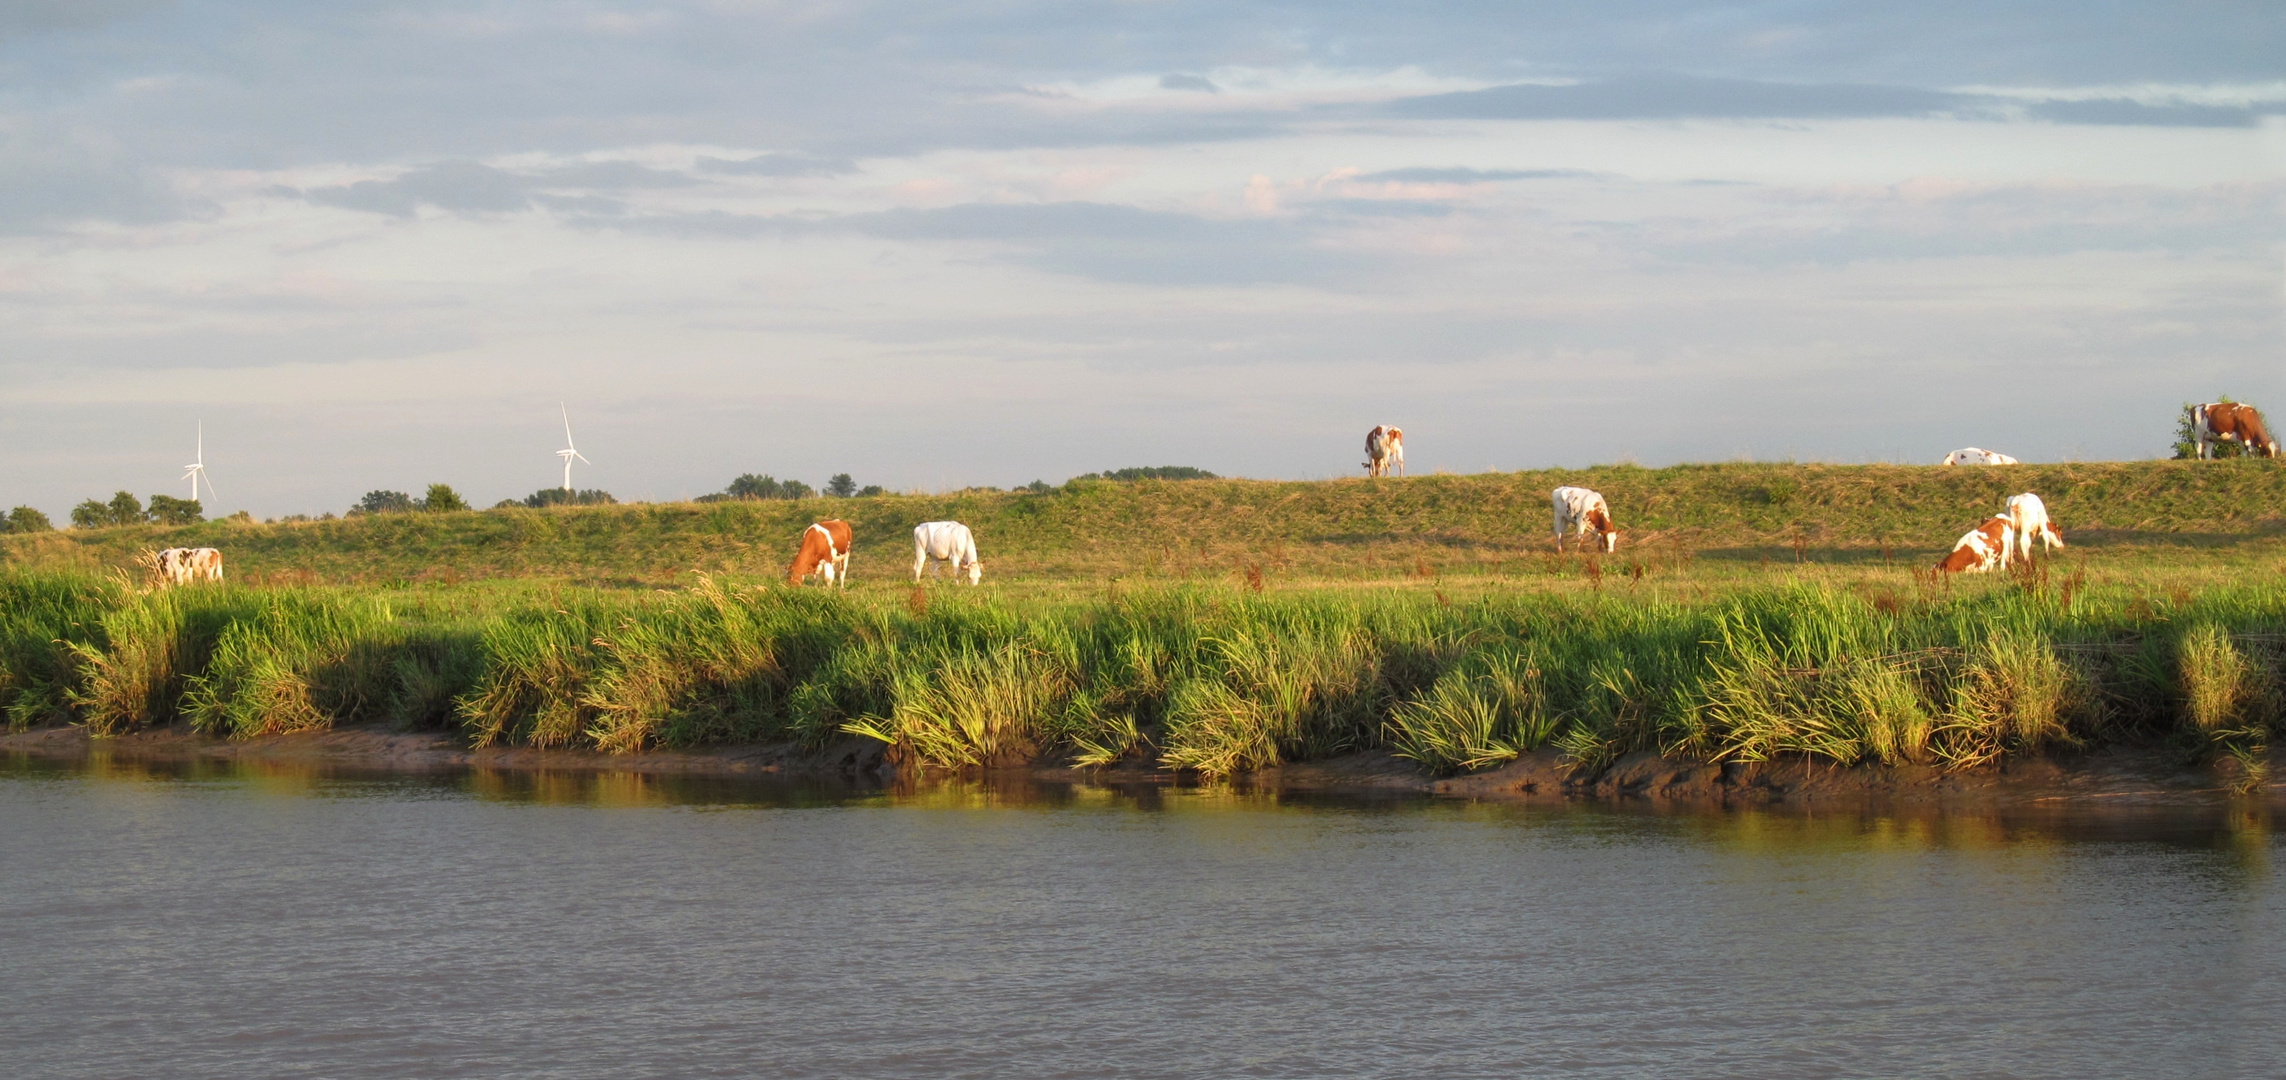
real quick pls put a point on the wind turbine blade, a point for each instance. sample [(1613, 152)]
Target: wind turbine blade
[(567, 424), (209, 482), (582, 457)]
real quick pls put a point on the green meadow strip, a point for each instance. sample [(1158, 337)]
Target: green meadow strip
[(1213, 680)]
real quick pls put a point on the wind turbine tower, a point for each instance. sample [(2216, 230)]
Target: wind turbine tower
[(570, 450), (196, 470)]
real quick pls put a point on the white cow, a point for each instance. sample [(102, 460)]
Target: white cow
[(2029, 516), (946, 542), (1579, 510), (182, 566), (1974, 456)]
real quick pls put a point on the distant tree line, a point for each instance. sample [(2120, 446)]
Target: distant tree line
[(1149, 472), (440, 499), (125, 509), (556, 496), (765, 486)]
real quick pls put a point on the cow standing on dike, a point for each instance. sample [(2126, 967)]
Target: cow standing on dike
[(2231, 421), (1973, 456), (1384, 446)]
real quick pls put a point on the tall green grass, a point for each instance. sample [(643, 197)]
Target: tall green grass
[(1212, 680)]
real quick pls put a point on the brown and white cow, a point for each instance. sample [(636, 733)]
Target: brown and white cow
[(1973, 456), (824, 552), (1384, 446), (1581, 511), (2229, 421), (1981, 548), (2028, 516)]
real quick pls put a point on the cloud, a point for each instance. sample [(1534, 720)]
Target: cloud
[(23, 18), (458, 186), (468, 187), (778, 165), (2117, 111), (1188, 82), (1945, 220), (1676, 97), (1686, 97), (1098, 241), (609, 176), (55, 183), (1470, 176)]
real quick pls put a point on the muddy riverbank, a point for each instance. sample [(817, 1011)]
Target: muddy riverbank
[(2118, 774)]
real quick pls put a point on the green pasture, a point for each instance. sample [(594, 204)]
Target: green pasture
[(1727, 521), (1218, 626)]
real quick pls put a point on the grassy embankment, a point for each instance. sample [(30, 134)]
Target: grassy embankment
[(1754, 613)]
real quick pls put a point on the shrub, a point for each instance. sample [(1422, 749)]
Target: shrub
[(24, 519), (870, 490), (442, 499), (168, 510), (383, 502), (841, 486)]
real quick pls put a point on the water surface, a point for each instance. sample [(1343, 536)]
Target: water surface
[(243, 920)]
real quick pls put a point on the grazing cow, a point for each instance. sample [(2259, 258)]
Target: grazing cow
[(182, 566), (947, 542), (2028, 516), (1579, 510), (1974, 456), (2229, 421), (824, 552), (1384, 445), (1981, 548), (168, 567)]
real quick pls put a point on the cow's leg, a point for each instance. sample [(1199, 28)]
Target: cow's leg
[(920, 559)]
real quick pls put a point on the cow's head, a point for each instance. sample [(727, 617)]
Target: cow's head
[(975, 572), (1607, 534)]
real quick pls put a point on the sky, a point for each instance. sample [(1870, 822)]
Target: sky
[(378, 245)]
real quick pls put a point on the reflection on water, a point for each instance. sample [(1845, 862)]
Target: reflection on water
[(203, 918)]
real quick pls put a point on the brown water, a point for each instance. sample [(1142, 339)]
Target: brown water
[(234, 921)]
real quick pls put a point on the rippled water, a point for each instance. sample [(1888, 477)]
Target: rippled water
[(265, 921)]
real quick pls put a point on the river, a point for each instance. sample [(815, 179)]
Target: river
[(234, 920)]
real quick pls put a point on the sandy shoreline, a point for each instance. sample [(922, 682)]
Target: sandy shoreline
[(2112, 775)]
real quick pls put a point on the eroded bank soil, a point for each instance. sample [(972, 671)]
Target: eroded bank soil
[(2121, 774)]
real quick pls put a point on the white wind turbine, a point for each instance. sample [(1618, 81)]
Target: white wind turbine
[(196, 470), (570, 450)]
